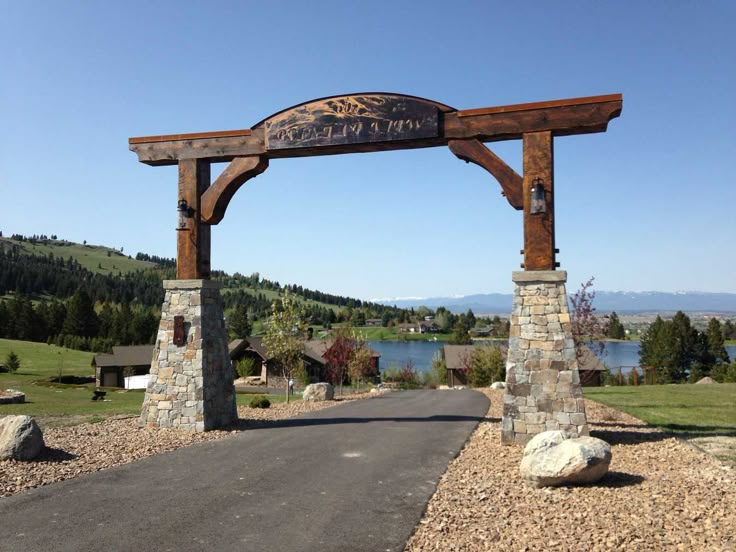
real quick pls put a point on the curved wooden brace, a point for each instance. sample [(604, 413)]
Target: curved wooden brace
[(473, 151), (215, 200)]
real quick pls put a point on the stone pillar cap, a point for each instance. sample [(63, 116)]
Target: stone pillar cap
[(524, 276), (192, 284)]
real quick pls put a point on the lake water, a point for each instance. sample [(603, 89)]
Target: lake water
[(398, 352), (623, 354)]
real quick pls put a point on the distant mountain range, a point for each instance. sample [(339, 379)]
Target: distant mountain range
[(605, 301)]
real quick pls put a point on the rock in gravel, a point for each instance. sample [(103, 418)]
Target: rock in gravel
[(498, 385), (555, 458), (20, 438), (319, 392)]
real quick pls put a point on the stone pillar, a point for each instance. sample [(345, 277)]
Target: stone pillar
[(191, 385), (542, 381)]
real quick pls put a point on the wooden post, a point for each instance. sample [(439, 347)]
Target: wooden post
[(539, 230), (193, 243)]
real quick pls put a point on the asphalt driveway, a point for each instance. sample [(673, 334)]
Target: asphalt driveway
[(355, 477)]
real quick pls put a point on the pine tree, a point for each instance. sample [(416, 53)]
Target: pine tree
[(238, 324), (12, 362), (715, 341), (655, 348), (81, 318), (615, 327)]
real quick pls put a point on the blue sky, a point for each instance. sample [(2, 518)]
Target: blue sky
[(648, 205)]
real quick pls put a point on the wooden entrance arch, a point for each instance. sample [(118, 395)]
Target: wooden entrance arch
[(191, 382), (368, 122)]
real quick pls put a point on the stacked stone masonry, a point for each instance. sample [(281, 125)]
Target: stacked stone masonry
[(191, 386), (543, 389)]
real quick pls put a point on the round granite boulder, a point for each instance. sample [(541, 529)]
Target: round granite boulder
[(20, 438), (555, 458)]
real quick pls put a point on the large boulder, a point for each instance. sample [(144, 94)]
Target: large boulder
[(20, 438), (319, 392), (556, 458)]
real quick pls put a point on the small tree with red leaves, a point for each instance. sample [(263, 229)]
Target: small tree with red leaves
[(338, 355), (587, 329), (408, 375)]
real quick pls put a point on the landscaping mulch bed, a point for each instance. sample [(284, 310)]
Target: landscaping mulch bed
[(660, 494), (75, 450)]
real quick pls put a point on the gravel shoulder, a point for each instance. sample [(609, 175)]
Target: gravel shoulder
[(660, 494)]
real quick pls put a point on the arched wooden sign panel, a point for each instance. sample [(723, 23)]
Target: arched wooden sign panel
[(369, 122)]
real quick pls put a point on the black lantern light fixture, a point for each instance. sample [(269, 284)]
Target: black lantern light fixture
[(185, 212), (539, 203)]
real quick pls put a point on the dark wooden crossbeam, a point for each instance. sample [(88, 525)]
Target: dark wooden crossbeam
[(488, 124)]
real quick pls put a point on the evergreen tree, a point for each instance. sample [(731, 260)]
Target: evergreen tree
[(715, 341), (460, 333), (122, 333), (143, 326), (615, 327), (729, 331), (81, 318), (685, 338), (238, 324), (655, 348), (486, 366), (470, 317), (12, 362)]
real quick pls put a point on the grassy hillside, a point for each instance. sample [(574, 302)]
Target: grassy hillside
[(95, 258), (272, 295), (39, 360)]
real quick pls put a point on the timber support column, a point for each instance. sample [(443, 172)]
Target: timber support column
[(193, 237), (191, 379)]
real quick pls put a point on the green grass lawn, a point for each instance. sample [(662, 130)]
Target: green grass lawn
[(694, 410), (58, 404), (54, 404)]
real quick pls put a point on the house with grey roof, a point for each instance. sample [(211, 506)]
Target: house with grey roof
[(110, 368)]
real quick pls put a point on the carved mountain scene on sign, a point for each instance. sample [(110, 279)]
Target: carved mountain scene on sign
[(352, 120)]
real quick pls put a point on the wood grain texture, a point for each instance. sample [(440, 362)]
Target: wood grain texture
[(539, 230), (561, 120), (214, 149), (541, 105), (193, 243), (217, 197), (473, 151), (357, 119), (561, 117), (190, 136)]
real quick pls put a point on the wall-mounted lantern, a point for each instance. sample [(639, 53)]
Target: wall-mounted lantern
[(185, 212), (539, 202)]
